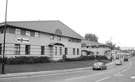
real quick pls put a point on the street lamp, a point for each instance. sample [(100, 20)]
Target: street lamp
[(97, 49), (5, 26)]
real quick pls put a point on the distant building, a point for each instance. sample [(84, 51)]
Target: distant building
[(40, 38), (95, 48)]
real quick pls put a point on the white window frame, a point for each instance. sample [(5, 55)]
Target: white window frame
[(52, 37), (17, 31), (27, 33), (36, 34)]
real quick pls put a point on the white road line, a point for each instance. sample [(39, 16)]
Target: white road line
[(80, 77), (102, 79), (132, 77), (124, 70), (117, 74)]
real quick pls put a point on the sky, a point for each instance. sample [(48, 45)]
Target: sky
[(112, 20)]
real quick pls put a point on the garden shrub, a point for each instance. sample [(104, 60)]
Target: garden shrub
[(25, 60)]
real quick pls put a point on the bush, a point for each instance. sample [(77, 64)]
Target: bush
[(83, 58), (26, 60)]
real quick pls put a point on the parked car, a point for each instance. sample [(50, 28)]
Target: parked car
[(99, 65), (118, 62), (125, 59)]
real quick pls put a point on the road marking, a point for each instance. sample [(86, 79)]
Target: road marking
[(124, 70), (102, 79), (118, 74), (80, 77), (132, 77)]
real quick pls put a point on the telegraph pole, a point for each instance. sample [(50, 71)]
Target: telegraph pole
[(5, 27)]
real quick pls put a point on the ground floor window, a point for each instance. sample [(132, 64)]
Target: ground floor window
[(73, 51), (0, 49), (55, 50), (66, 51), (17, 49), (60, 50), (42, 50), (27, 49), (77, 51)]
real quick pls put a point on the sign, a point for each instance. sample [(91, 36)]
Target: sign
[(23, 40)]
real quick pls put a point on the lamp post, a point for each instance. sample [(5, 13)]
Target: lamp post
[(5, 27), (97, 50)]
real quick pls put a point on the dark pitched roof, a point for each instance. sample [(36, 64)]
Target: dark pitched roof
[(92, 43), (53, 27)]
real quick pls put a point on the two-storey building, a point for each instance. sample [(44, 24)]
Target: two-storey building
[(95, 48), (40, 38)]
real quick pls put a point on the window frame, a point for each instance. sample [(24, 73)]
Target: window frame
[(42, 50), (17, 31), (27, 33), (27, 49), (52, 37), (73, 51), (0, 49), (59, 38), (36, 34), (17, 49)]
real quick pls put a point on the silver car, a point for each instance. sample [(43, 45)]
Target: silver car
[(99, 65)]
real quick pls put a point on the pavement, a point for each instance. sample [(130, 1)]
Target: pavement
[(10, 75)]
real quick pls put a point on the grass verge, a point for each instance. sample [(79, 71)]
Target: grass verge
[(47, 66)]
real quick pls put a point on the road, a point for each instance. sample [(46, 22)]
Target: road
[(123, 73)]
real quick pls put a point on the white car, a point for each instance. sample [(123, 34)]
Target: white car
[(99, 65), (118, 62)]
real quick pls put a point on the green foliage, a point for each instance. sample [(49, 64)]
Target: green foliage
[(111, 45), (26, 60), (91, 37), (83, 58)]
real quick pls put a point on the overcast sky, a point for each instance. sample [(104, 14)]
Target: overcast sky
[(108, 19)]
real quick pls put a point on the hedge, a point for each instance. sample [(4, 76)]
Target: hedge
[(83, 58), (25, 60)]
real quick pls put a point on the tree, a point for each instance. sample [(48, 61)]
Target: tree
[(91, 37), (112, 46)]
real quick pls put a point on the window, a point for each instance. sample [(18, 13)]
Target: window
[(59, 37), (32, 33), (55, 50), (1, 31), (17, 49), (36, 34), (42, 50), (23, 32), (17, 31), (73, 51), (66, 51), (77, 51), (27, 33), (0, 49), (60, 50), (27, 49), (51, 37)]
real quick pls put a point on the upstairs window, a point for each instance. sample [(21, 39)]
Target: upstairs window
[(52, 37), (0, 49), (17, 31), (36, 34), (59, 38), (1, 31), (27, 33)]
